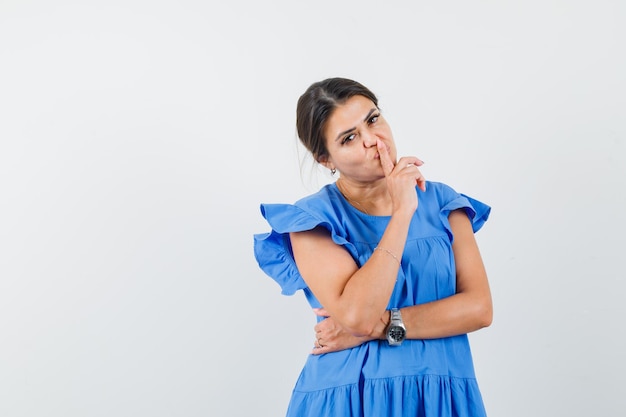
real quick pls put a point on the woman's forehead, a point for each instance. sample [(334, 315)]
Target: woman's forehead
[(351, 113)]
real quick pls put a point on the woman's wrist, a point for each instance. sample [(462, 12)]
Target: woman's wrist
[(380, 331)]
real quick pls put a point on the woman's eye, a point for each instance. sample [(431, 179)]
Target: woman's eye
[(373, 119), (348, 138)]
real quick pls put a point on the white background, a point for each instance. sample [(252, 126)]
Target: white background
[(137, 139)]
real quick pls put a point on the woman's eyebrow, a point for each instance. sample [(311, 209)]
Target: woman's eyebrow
[(365, 119)]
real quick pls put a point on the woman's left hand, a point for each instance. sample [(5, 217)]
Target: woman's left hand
[(331, 337)]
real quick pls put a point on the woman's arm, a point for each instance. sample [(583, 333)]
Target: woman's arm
[(469, 309), (356, 297)]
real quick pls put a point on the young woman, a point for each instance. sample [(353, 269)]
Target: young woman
[(388, 261)]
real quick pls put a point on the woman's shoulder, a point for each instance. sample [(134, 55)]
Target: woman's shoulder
[(445, 199), (439, 188), (438, 193), (311, 209), (321, 204), (324, 196)]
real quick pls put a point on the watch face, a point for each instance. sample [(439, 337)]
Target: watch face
[(397, 333)]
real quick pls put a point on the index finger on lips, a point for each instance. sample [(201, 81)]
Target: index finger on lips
[(385, 159)]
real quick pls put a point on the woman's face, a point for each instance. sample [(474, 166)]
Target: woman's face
[(351, 134)]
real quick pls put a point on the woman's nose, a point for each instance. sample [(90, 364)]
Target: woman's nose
[(369, 139)]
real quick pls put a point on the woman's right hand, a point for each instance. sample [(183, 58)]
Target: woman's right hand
[(331, 337), (402, 177)]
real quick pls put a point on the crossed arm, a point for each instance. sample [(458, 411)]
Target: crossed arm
[(355, 299)]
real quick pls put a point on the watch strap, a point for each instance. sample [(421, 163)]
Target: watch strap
[(395, 315)]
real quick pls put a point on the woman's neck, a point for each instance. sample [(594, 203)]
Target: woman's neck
[(370, 198)]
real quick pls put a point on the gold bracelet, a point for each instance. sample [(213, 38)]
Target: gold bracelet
[(390, 253)]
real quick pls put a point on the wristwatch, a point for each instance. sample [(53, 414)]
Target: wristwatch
[(396, 332)]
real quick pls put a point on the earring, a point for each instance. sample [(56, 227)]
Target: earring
[(333, 171)]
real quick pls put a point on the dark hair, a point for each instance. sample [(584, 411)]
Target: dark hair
[(317, 104)]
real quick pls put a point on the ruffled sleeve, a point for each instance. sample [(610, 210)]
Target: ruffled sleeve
[(477, 211), (273, 250)]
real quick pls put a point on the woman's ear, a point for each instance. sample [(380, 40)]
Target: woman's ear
[(325, 162)]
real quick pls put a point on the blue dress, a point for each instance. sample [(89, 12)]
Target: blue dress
[(429, 378)]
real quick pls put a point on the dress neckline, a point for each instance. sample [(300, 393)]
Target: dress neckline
[(352, 208)]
